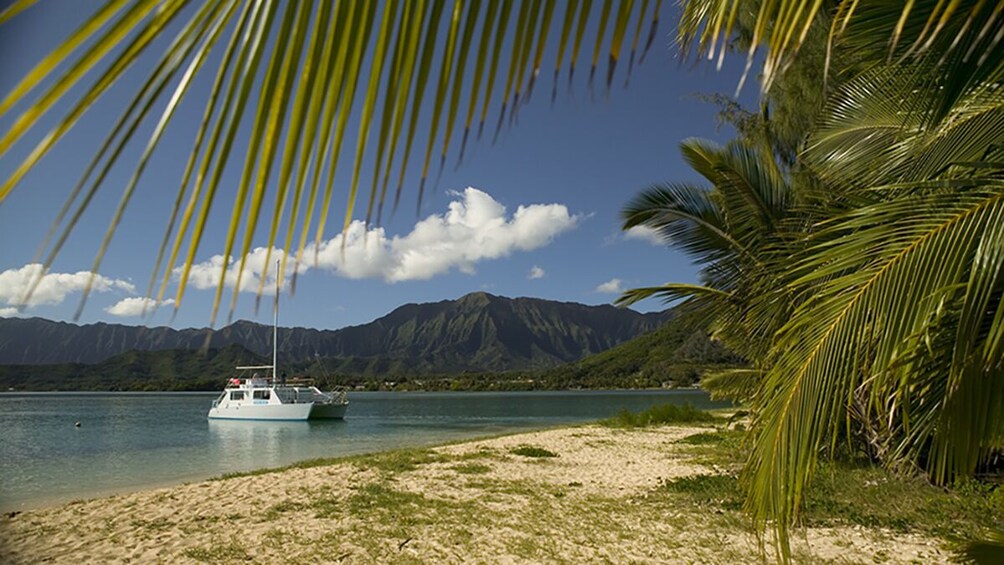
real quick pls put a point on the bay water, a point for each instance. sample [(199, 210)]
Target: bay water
[(131, 441)]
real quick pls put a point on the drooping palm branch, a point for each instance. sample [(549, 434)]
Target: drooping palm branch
[(779, 27), (902, 294), (736, 228), (296, 72)]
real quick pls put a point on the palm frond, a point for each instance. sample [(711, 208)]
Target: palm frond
[(736, 230), (878, 129), (869, 294), (966, 30), (309, 60), (737, 385), (670, 293)]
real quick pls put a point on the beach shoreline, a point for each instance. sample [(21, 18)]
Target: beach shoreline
[(583, 493)]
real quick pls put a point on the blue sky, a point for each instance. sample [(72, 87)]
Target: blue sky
[(536, 214)]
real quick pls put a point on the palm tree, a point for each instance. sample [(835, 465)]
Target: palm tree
[(896, 284)]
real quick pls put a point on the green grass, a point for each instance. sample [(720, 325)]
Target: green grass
[(380, 497), (716, 491), (282, 507), (391, 462), (859, 493), (855, 493), (472, 469), (223, 553), (709, 438), (660, 415), (400, 461), (532, 451)]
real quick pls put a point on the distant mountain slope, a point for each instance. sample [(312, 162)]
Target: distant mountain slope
[(175, 369), (478, 332), (674, 354)]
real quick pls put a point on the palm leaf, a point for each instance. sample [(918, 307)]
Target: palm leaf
[(781, 27), (309, 70), (737, 385), (870, 294)]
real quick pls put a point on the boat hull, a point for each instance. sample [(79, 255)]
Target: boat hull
[(328, 411), (285, 412)]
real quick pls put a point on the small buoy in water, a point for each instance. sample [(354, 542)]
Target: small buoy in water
[(76, 424)]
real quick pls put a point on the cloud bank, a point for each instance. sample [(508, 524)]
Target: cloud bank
[(53, 288), (474, 228), (536, 273)]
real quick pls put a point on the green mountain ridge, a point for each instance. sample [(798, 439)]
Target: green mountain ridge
[(477, 332), (672, 355)]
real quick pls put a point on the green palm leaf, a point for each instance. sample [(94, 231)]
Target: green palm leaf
[(870, 294), (309, 62), (914, 29)]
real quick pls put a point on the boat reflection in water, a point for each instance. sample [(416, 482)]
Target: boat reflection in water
[(257, 444)]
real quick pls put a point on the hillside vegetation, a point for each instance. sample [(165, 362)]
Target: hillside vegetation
[(477, 332), (673, 355)]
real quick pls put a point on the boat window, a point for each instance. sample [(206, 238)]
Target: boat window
[(261, 394), (237, 395)]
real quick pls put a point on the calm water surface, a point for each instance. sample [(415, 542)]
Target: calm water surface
[(130, 441)]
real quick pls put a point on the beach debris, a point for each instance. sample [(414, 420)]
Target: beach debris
[(10, 515), (401, 545)]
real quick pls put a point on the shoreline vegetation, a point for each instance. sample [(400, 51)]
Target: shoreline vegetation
[(660, 486)]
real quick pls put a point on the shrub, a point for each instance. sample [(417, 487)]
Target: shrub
[(660, 414)]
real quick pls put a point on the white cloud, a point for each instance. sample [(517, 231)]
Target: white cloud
[(612, 286), (10, 312), (135, 306), (474, 228), (53, 287), (536, 273), (644, 233)]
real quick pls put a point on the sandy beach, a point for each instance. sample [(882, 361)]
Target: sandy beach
[(596, 500)]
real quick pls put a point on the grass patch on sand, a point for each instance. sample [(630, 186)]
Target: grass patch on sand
[(856, 493), (661, 414), (860, 493), (472, 469), (281, 508), (308, 464), (532, 451), (221, 553), (391, 462), (400, 461)]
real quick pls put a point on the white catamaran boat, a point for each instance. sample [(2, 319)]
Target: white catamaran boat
[(275, 398)]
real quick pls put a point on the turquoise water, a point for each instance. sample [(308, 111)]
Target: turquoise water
[(131, 441)]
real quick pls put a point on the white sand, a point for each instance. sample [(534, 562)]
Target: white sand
[(474, 502)]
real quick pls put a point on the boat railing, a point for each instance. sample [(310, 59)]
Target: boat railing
[(294, 395)]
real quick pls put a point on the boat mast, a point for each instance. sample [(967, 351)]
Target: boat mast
[(275, 323)]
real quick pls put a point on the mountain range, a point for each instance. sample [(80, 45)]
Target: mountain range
[(477, 332)]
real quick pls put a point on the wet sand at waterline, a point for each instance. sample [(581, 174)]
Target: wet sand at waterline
[(597, 499)]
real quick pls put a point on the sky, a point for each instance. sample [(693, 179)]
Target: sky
[(535, 214)]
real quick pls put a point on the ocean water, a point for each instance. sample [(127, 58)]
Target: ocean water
[(131, 441)]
